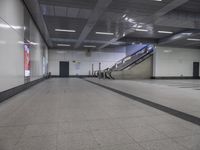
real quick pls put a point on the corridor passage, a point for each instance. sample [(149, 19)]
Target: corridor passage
[(73, 114)]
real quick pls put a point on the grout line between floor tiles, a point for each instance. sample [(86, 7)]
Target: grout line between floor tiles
[(171, 111)]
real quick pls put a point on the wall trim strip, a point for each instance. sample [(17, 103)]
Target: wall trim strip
[(16, 90), (74, 76), (175, 77)]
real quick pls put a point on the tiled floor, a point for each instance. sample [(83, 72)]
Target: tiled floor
[(164, 92), (72, 114)]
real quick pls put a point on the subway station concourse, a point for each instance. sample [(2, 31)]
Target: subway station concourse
[(99, 74)]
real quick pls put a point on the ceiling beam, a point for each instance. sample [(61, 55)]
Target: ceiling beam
[(183, 35), (169, 7), (93, 19), (180, 20), (68, 3), (138, 40), (34, 7), (163, 11)]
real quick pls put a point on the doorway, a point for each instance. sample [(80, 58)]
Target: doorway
[(196, 70), (64, 69)]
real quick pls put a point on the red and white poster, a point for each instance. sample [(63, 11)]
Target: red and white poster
[(27, 65)]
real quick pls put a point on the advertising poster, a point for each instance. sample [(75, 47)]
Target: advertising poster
[(27, 66)]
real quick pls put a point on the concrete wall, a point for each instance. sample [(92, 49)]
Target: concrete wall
[(175, 62), (107, 59), (16, 26)]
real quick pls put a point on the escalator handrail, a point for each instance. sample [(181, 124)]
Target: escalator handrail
[(133, 53), (149, 53), (121, 60), (139, 50)]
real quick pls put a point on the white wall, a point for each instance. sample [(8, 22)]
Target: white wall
[(107, 59), (169, 62), (11, 59), (12, 34), (134, 48), (37, 53)]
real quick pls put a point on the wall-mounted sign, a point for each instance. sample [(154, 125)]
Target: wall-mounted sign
[(27, 64)]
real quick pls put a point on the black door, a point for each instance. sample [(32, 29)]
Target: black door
[(64, 69), (196, 70)]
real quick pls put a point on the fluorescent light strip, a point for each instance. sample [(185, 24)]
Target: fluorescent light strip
[(141, 30), (89, 46), (124, 15), (191, 39), (10, 26), (64, 30), (64, 45), (105, 33), (165, 32)]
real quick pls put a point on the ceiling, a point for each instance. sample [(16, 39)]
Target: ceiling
[(129, 21)]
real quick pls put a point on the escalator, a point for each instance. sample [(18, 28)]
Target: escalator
[(135, 66)]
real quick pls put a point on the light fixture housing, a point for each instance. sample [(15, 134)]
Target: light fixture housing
[(65, 30), (141, 30), (193, 39), (165, 32), (64, 45), (105, 33), (89, 46), (124, 16)]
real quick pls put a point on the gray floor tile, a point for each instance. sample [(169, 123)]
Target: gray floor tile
[(40, 130), (95, 118), (174, 130), (11, 132), (103, 124), (129, 113), (8, 144), (123, 147), (74, 127), (142, 134), (37, 143), (161, 119), (162, 145), (97, 115), (131, 122), (190, 142), (76, 141), (112, 137), (66, 117)]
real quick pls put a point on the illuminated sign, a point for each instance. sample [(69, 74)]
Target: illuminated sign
[(27, 66)]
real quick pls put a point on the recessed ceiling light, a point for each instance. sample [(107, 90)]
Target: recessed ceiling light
[(139, 26), (165, 32), (167, 51), (158, 0), (64, 45), (89, 46), (142, 30), (186, 34), (34, 43), (64, 30), (192, 39), (10, 26), (124, 15), (61, 52), (105, 33)]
